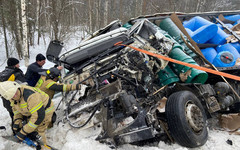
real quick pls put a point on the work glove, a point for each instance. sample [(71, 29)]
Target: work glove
[(17, 125), (20, 136), (26, 140), (17, 139)]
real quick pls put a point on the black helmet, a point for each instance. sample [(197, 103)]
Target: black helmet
[(53, 73)]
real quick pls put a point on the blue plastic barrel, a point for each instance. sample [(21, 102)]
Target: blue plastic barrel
[(220, 26), (232, 17), (196, 22), (228, 47), (209, 53), (236, 46), (236, 22), (189, 31), (219, 38), (224, 59), (229, 25), (190, 24), (204, 33)]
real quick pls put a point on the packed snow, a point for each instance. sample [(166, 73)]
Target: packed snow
[(63, 137)]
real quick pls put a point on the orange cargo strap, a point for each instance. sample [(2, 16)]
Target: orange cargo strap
[(183, 63)]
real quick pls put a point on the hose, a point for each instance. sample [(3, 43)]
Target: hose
[(94, 111)]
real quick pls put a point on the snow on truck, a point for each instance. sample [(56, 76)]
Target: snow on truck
[(157, 77)]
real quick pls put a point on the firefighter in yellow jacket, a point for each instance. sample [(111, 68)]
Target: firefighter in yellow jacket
[(48, 83), (30, 102)]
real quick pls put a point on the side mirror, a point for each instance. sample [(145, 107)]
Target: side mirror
[(53, 51)]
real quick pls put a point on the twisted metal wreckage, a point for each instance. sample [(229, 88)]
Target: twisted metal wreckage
[(137, 96)]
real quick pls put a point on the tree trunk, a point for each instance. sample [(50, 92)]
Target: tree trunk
[(72, 14), (97, 4), (17, 29), (47, 19), (172, 5), (38, 20), (105, 16), (121, 11), (144, 7), (54, 19), (25, 33), (90, 16), (138, 8), (4, 29)]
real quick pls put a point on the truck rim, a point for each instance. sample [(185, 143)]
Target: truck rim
[(194, 117)]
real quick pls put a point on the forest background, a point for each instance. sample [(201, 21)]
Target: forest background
[(22, 21)]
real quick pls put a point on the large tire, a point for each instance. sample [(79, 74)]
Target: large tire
[(186, 119)]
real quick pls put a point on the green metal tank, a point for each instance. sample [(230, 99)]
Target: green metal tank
[(167, 76), (169, 26), (196, 76), (171, 73)]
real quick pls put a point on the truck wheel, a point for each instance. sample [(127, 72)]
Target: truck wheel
[(186, 119)]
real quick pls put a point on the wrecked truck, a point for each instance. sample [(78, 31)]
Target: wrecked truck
[(138, 97)]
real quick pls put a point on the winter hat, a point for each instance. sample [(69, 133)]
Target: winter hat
[(12, 61), (40, 57)]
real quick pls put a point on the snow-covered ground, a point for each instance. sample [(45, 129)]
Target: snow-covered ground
[(63, 137)]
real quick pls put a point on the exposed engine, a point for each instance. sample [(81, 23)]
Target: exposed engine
[(122, 89), (137, 97)]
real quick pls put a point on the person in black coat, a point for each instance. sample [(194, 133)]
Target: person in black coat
[(12, 72), (32, 75)]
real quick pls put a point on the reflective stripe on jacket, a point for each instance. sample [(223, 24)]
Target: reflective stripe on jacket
[(33, 103), (49, 86)]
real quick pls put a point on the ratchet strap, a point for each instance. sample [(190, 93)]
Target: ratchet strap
[(227, 75)]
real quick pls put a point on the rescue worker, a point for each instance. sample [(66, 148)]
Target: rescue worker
[(48, 83), (33, 70), (32, 103), (12, 72)]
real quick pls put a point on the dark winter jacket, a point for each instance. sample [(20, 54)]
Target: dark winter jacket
[(11, 73), (32, 74)]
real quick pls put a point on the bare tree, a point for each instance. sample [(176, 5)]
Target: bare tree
[(59, 18), (90, 16), (16, 26), (54, 18), (25, 33), (38, 13), (4, 28), (144, 7), (105, 17), (138, 8)]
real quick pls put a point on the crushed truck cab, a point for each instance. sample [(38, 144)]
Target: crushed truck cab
[(149, 79)]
